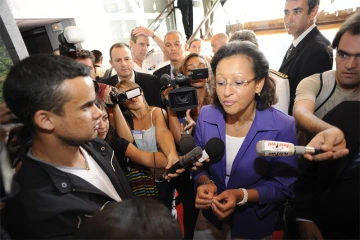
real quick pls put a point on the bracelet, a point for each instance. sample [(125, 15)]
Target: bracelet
[(153, 36), (208, 181), (245, 198)]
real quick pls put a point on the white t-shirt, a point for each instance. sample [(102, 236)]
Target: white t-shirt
[(151, 63)]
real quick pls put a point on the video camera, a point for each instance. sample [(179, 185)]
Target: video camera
[(183, 97), (121, 97), (68, 38)]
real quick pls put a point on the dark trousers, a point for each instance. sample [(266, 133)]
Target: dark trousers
[(186, 193), (187, 19)]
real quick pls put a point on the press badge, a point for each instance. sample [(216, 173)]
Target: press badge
[(138, 134)]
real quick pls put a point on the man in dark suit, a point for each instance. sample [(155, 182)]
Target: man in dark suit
[(121, 61), (309, 52), (175, 47)]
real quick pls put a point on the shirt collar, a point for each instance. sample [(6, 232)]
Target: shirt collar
[(303, 35), (132, 79)]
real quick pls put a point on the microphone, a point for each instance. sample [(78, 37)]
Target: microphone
[(186, 143), (165, 80), (188, 159), (214, 149), (282, 149)]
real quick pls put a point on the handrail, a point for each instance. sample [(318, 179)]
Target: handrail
[(160, 14), (214, 6)]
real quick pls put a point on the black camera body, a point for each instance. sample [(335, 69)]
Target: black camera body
[(183, 97), (121, 97), (118, 97)]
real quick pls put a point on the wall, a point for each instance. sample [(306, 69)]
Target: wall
[(87, 14)]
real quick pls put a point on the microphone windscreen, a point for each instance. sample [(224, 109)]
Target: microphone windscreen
[(215, 148), (187, 143), (164, 80)]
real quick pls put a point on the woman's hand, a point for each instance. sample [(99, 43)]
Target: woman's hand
[(107, 91), (166, 92), (204, 195), (224, 204), (190, 123)]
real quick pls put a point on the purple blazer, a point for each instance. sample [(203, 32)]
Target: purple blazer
[(272, 177)]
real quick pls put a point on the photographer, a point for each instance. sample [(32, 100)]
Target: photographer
[(149, 124), (184, 184), (176, 125)]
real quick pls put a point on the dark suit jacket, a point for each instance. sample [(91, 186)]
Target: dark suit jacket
[(164, 70), (310, 56), (327, 192), (149, 84)]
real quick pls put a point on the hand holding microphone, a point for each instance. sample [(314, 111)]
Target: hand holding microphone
[(214, 149), (282, 149)]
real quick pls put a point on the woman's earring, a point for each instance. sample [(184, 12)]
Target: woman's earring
[(258, 94)]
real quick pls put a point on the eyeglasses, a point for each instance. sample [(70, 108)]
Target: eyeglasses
[(236, 84)]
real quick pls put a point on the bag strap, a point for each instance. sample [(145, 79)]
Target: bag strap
[(327, 88)]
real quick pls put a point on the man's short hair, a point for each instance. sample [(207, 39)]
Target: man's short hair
[(35, 83), (133, 37), (118, 45), (244, 35), (84, 54), (98, 55), (135, 218), (351, 25), (182, 38), (311, 4)]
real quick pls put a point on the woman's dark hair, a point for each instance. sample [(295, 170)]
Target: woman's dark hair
[(183, 70), (135, 218), (260, 67), (102, 106)]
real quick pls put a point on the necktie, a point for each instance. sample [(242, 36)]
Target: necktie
[(289, 50)]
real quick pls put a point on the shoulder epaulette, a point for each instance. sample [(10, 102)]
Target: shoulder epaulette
[(149, 53), (282, 75)]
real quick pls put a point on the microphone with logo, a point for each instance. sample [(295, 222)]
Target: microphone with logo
[(214, 149), (282, 149)]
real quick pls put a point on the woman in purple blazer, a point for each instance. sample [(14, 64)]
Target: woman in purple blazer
[(240, 194)]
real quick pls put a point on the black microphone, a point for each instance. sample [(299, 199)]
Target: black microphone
[(214, 149), (187, 143), (188, 160), (165, 80), (282, 149)]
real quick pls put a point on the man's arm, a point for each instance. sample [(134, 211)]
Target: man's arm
[(303, 112)]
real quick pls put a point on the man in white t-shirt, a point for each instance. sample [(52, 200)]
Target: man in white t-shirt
[(332, 186)]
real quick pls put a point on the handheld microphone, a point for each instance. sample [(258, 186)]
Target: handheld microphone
[(282, 149), (186, 143), (214, 149), (188, 159)]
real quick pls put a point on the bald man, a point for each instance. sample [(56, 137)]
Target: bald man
[(218, 40)]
